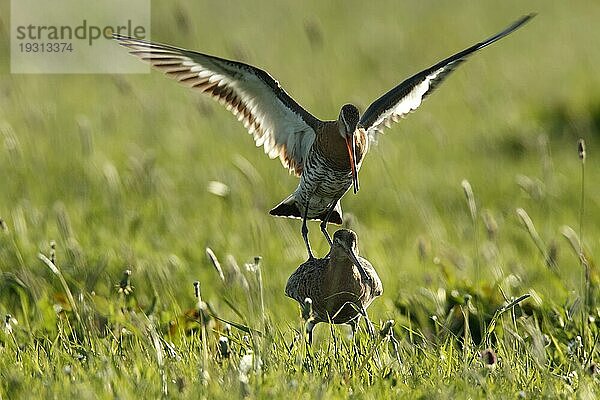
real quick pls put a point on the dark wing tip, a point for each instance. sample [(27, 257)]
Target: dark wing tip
[(128, 41), (392, 97), (119, 37), (125, 40), (510, 29), (524, 19)]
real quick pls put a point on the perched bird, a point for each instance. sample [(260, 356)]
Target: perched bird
[(340, 286), (326, 155)]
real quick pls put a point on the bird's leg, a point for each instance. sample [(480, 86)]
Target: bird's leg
[(310, 325), (325, 221), (368, 323), (305, 230), (354, 326), (308, 363)]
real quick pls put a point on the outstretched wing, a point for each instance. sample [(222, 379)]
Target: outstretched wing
[(408, 95), (275, 120)]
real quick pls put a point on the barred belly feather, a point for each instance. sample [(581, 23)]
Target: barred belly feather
[(322, 183)]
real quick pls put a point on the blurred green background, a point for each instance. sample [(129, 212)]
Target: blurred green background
[(117, 168)]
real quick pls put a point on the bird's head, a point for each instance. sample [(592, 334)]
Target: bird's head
[(347, 241), (347, 123)]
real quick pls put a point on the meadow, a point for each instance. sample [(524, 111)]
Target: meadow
[(478, 212)]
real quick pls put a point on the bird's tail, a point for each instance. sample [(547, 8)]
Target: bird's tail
[(289, 208), (286, 208)]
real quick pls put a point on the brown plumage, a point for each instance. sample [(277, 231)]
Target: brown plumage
[(326, 155), (341, 285)]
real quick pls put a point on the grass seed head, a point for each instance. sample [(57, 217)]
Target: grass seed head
[(9, 322), (581, 149), (218, 189), (197, 289), (53, 251), (125, 286), (215, 262), (489, 358), (470, 198), (491, 226), (251, 267), (387, 328), (224, 350)]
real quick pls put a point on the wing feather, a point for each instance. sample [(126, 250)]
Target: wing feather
[(408, 95), (275, 120)]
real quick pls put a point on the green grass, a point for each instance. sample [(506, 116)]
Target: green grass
[(115, 171)]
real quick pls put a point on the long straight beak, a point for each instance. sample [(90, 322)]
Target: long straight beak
[(356, 262), (352, 153)]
